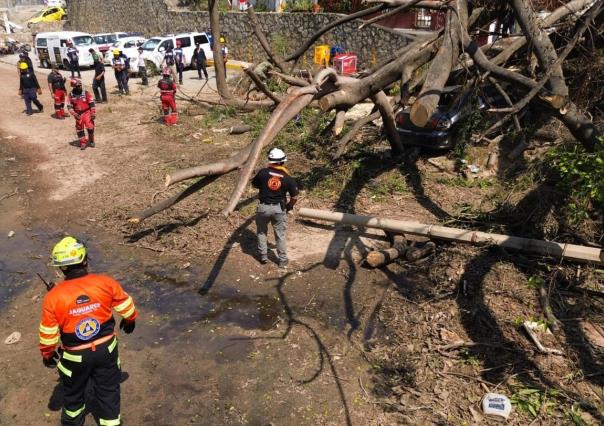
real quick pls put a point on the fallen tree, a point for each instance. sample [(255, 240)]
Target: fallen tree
[(429, 64), (528, 245)]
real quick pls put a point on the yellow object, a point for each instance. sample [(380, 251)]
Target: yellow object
[(50, 14), (222, 40), (116, 52), (23, 66), (68, 251), (322, 54)]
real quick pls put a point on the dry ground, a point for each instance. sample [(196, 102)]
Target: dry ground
[(223, 340)]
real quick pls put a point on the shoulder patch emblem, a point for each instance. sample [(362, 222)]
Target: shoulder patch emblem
[(87, 328)]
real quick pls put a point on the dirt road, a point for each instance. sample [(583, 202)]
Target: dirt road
[(254, 347)]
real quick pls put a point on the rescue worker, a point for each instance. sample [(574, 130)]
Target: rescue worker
[(29, 88), (274, 183), (78, 311), (120, 67), (142, 67), (224, 51), (24, 57), (98, 82), (80, 104), (199, 56), (56, 86), (179, 60), (74, 59), (169, 61), (167, 90)]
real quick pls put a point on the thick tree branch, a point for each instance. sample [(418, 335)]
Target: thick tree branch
[(260, 85), (381, 101), (544, 50), (262, 39)]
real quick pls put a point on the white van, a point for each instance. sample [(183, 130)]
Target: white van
[(51, 48), (155, 47)]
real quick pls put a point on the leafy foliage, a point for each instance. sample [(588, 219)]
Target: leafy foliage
[(581, 176), (532, 401)]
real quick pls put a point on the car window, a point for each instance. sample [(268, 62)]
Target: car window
[(165, 44), (200, 39), (128, 44), (151, 44), (83, 41), (99, 39), (140, 42), (42, 42), (122, 35), (184, 41), (63, 43), (111, 38)]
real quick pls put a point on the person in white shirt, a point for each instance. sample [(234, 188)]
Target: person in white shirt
[(142, 69)]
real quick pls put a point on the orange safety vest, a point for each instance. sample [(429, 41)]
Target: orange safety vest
[(79, 311)]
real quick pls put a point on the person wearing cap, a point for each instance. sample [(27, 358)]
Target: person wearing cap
[(142, 67), (29, 88), (24, 57), (74, 59), (77, 314), (199, 56), (56, 86), (169, 61), (274, 183), (167, 92), (224, 51), (98, 82), (120, 67)]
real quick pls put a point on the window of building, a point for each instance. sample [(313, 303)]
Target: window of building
[(423, 19)]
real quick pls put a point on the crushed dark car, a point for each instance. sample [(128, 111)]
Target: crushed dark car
[(456, 103)]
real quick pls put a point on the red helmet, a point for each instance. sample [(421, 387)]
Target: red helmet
[(76, 82), (178, 43)]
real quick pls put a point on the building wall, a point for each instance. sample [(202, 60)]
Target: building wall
[(286, 31)]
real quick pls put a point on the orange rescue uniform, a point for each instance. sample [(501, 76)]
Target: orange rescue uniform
[(79, 311)]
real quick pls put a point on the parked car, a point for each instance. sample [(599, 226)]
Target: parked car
[(128, 46), (456, 103), (156, 47), (105, 40), (51, 48), (50, 14)]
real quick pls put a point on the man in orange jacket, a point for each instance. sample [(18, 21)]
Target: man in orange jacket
[(78, 311)]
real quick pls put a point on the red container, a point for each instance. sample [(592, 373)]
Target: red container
[(345, 63)]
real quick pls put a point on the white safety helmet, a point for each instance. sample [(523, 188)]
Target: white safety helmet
[(276, 155)]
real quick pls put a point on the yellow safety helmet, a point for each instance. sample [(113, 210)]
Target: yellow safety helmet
[(68, 251), (222, 40), (116, 52), (23, 65)]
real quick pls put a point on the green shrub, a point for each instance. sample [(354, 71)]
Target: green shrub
[(581, 176)]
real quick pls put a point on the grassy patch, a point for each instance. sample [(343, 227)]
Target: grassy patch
[(218, 113)]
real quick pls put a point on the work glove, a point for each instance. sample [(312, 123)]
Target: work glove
[(51, 361), (127, 326)]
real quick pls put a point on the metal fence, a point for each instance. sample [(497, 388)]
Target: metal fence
[(9, 4)]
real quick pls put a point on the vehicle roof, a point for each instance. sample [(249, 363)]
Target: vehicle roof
[(130, 38), (164, 37), (103, 34), (63, 33)]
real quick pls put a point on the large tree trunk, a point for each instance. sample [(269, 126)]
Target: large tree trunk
[(219, 65)]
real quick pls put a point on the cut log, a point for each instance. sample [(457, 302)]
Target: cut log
[(238, 130), (338, 124), (539, 247), (438, 73), (379, 258)]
